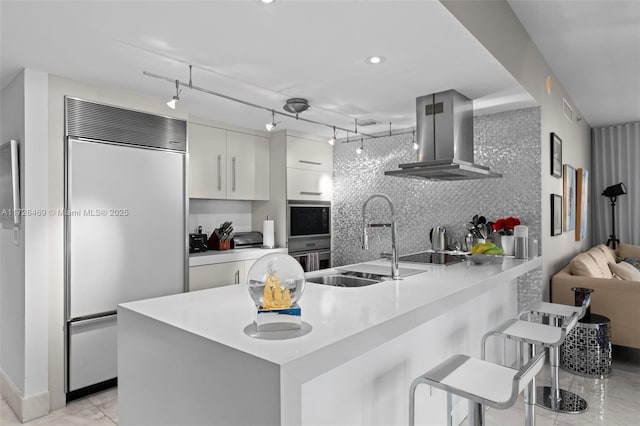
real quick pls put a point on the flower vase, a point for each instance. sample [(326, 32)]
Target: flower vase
[(508, 244)]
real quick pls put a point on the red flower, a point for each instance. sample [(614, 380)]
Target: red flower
[(505, 226)]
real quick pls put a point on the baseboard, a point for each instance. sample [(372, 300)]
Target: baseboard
[(25, 409)]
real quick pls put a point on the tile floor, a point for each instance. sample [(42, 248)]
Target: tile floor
[(614, 401)]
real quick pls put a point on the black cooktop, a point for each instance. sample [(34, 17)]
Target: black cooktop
[(432, 258)]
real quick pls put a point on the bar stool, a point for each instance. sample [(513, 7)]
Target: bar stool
[(530, 334), (480, 382), (552, 397)]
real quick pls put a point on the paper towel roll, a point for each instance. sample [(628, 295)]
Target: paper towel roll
[(521, 231), (267, 233)]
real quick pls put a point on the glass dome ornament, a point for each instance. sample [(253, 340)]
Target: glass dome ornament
[(276, 283)]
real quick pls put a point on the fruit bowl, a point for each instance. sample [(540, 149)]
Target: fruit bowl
[(480, 259)]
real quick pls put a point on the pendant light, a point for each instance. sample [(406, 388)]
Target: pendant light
[(361, 147), (415, 144)]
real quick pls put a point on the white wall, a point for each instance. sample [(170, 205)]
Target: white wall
[(495, 25), (210, 214), (23, 280), (12, 319), (58, 88)]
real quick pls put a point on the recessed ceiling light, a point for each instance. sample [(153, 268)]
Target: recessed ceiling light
[(374, 60), (267, 1)]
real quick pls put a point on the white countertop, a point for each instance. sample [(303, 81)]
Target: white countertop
[(346, 321), (215, 256)]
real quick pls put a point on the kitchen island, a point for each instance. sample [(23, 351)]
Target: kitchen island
[(185, 359)]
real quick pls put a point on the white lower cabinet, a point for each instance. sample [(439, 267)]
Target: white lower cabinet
[(309, 185), (219, 274)]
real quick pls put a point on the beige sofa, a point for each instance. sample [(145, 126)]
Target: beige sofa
[(617, 299)]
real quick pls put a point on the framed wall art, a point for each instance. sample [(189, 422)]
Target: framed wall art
[(556, 215), (569, 198), (556, 155), (582, 203)]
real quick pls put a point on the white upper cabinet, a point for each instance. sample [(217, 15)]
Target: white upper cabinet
[(309, 169), (247, 167), (309, 185), (207, 162), (308, 154), (225, 164)]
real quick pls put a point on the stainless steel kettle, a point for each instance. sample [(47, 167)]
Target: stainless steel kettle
[(438, 238)]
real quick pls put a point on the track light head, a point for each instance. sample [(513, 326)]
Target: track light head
[(176, 98), (415, 144), (272, 125), (172, 103), (333, 138)]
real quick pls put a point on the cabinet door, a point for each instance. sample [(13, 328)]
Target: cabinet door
[(309, 185), (310, 155), (216, 275), (247, 167), (207, 162)]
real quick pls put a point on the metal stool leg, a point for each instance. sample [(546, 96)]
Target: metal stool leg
[(476, 415), (530, 390), (552, 397)]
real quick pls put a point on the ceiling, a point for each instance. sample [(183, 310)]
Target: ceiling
[(593, 47), (263, 54)]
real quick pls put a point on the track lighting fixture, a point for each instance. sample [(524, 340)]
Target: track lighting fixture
[(333, 138), (415, 144), (270, 126), (361, 147), (297, 105), (176, 98)]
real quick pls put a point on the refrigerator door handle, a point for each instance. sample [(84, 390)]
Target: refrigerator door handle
[(94, 317)]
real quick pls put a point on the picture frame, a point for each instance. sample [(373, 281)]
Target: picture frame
[(556, 155), (582, 203), (556, 215), (569, 198)]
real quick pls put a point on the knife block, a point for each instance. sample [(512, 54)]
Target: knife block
[(216, 244)]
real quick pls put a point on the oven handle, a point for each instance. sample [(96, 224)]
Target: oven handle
[(304, 253)]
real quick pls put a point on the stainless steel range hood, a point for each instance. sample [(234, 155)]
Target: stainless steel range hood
[(444, 131)]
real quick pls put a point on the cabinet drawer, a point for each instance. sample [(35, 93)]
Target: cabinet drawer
[(309, 155), (309, 185), (216, 275)]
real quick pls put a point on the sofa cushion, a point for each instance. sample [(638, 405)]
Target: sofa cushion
[(602, 261), (609, 253), (585, 266), (625, 271)]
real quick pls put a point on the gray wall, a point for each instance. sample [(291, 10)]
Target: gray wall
[(508, 142)]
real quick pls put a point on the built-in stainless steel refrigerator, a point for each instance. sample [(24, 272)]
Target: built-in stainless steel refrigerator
[(125, 227)]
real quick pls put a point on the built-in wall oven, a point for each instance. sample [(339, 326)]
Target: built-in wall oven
[(309, 233)]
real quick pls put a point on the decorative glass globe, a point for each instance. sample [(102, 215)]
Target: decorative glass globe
[(276, 281)]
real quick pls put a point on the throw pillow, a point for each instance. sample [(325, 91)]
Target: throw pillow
[(633, 262), (625, 271)]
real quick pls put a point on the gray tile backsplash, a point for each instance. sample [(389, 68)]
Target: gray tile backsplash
[(508, 142)]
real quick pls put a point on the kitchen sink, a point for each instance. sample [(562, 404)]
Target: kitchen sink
[(350, 279)]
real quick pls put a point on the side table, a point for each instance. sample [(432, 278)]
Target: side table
[(587, 349)]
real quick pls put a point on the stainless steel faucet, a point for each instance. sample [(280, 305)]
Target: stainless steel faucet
[(395, 270)]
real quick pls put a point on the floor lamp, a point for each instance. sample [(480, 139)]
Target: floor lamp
[(613, 192)]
